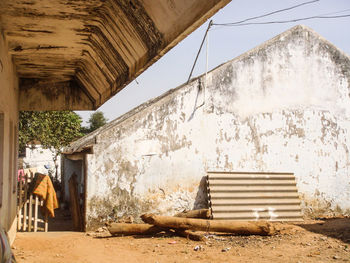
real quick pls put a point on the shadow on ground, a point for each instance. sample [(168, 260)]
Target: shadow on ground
[(338, 228), (62, 221)]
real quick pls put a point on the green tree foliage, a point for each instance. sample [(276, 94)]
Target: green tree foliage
[(53, 129), (96, 120)]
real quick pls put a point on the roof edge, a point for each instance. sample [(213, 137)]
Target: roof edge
[(84, 141)]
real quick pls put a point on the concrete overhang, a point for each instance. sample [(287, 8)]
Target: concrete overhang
[(76, 54)]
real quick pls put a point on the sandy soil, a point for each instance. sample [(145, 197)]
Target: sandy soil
[(313, 241)]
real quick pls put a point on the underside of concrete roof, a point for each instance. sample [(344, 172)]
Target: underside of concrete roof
[(77, 54)]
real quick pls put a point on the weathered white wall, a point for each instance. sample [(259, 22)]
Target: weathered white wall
[(282, 107), (8, 154), (37, 156)]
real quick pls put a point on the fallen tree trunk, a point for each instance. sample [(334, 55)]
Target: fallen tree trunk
[(190, 235), (226, 226), (200, 213), (133, 229)]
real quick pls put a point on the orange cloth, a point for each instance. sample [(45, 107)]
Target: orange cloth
[(44, 188)]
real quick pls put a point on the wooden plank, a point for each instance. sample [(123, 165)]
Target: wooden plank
[(36, 213), (18, 218), (30, 204), (30, 213), (25, 216), (74, 203), (20, 200), (46, 221), (25, 194)]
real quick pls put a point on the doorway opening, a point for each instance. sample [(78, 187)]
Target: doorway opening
[(73, 186)]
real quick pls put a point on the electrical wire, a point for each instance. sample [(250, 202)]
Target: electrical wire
[(221, 26), (242, 23), (283, 21), (336, 12), (199, 51), (271, 13)]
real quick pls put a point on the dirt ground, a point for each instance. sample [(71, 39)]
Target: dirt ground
[(313, 241)]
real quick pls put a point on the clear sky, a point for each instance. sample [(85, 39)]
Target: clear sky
[(226, 43)]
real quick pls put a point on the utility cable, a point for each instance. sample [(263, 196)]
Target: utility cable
[(284, 21), (326, 15), (242, 23), (271, 13), (336, 12), (199, 51)]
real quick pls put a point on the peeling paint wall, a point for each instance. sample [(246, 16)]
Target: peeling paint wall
[(38, 156), (8, 140), (281, 107)]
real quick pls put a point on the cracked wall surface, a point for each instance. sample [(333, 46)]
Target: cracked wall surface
[(281, 107)]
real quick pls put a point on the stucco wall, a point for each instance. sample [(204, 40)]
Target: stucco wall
[(8, 146), (282, 107), (37, 156)]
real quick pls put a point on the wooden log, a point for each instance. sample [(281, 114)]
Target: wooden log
[(133, 229), (200, 213), (190, 235), (226, 226)]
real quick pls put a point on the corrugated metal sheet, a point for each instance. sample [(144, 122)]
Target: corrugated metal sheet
[(253, 196)]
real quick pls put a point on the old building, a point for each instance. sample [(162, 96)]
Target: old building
[(281, 107), (41, 158), (75, 55)]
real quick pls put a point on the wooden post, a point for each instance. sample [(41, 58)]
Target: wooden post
[(46, 221), (19, 214), (25, 196), (25, 216), (36, 213), (30, 205), (41, 204), (30, 212)]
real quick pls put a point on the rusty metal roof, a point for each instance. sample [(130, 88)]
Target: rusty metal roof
[(253, 196)]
